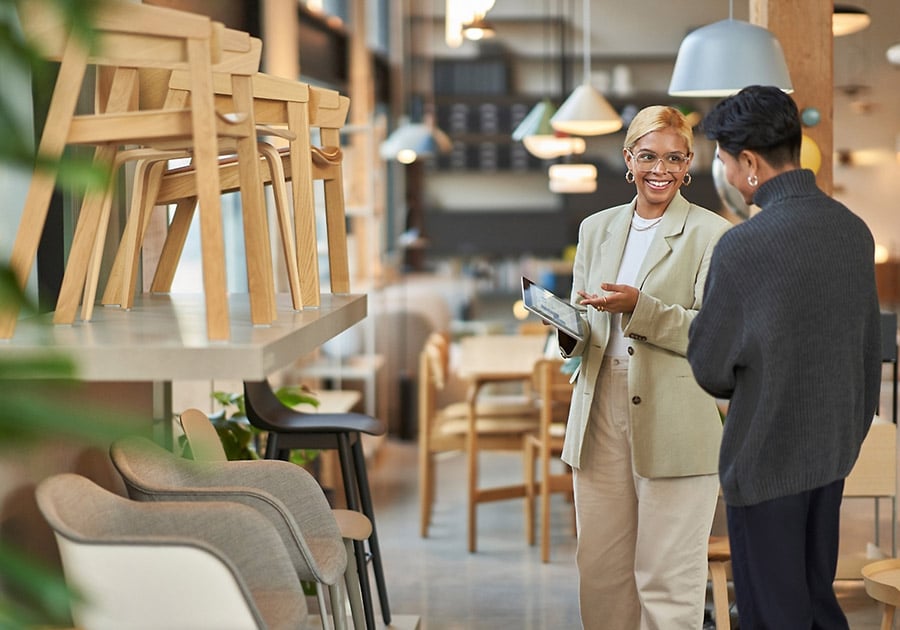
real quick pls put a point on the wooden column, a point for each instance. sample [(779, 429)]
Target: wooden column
[(281, 49), (804, 30)]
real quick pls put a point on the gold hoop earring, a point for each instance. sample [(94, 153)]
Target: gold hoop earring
[(753, 180), (629, 177), (687, 179)]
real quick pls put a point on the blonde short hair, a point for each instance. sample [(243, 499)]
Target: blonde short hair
[(656, 118)]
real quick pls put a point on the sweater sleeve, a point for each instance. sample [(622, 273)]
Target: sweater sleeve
[(715, 339)]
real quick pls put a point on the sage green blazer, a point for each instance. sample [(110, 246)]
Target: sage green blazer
[(675, 425)]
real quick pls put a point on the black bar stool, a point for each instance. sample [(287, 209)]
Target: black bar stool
[(289, 429)]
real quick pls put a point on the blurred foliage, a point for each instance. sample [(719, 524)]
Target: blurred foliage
[(21, 58), (239, 437), (33, 595)]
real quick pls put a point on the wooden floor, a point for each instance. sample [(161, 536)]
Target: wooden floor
[(504, 584)]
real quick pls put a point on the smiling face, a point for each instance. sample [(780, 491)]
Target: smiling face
[(657, 180)]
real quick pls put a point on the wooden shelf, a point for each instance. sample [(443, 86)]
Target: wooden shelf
[(163, 338)]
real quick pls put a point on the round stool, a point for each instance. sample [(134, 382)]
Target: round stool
[(882, 580)]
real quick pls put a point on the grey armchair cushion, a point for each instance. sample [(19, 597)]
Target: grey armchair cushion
[(242, 540), (284, 493)]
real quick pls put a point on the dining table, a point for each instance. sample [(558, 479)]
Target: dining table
[(483, 360)]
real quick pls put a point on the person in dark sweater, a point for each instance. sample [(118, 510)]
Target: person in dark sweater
[(789, 331)]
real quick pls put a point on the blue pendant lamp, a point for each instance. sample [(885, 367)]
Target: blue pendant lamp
[(722, 58)]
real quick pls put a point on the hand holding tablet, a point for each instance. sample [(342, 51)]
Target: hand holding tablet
[(552, 309)]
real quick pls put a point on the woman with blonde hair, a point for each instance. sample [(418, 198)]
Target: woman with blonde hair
[(643, 438)]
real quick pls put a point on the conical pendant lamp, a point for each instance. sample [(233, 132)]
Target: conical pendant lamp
[(706, 63), (586, 112), (539, 138)]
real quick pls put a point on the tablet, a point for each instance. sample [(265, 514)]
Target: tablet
[(553, 310)]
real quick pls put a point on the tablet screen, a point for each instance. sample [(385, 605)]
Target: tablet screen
[(551, 309)]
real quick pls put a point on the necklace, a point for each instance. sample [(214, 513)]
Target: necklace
[(648, 226)]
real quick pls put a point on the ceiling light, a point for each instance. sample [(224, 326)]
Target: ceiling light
[(478, 29), (847, 19), (573, 178), (893, 55), (412, 141), (536, 133), (586, 112), (706, 65)]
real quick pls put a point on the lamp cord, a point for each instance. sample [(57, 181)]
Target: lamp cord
[(586, 41)]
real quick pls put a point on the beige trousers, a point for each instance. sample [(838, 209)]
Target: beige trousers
[(641, 542)]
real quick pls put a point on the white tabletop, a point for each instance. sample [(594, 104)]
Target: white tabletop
[(163, 338)]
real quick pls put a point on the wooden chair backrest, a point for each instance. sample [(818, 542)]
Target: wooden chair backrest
[(553, 389), (138, 35), (202, 436), (875, 471)]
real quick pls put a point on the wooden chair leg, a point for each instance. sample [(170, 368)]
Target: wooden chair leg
[(173, 246), (304, 204), (257, 246), (719, 579), (206, 157), (887, 617), (545, 502), (528, 461), (122, 280), (336, 221), (285, 224), (53, 139), (425, 496), (86, 230)]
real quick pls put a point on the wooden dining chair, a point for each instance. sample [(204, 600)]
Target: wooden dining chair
[(129, 37), (554, 393), (445, 428)]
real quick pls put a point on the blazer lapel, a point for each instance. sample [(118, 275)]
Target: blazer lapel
[(613, 245), (671, 226)]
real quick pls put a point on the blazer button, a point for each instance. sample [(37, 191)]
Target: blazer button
[(630, 350), (636, 400)]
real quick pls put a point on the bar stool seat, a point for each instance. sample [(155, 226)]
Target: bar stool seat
[(289, 429)]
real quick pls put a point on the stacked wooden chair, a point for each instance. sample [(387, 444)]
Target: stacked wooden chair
[(283, 108), (131, 38), (192, 90)]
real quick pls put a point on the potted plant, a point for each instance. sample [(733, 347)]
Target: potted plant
[(240, 439)]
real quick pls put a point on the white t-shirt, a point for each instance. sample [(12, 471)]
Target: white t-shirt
[(639, 238)]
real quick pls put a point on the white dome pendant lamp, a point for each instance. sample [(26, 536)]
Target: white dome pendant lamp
[(720, 59)]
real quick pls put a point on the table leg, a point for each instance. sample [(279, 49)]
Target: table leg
[(472, 461)]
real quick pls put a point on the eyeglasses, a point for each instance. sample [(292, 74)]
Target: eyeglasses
[(647, 160)]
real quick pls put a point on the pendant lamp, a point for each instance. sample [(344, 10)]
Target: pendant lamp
[(535, 131), (847, 19), (412, 141), (722, 58), (573, 178), (586, 112)]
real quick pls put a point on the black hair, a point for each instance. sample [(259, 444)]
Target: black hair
[(760, 118)]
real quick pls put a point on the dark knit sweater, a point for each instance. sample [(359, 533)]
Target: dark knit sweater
[(789, 331)]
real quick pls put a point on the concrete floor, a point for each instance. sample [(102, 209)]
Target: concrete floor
[(504, 585)]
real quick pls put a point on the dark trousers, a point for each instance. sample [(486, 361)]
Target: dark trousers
[(784, 556)]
